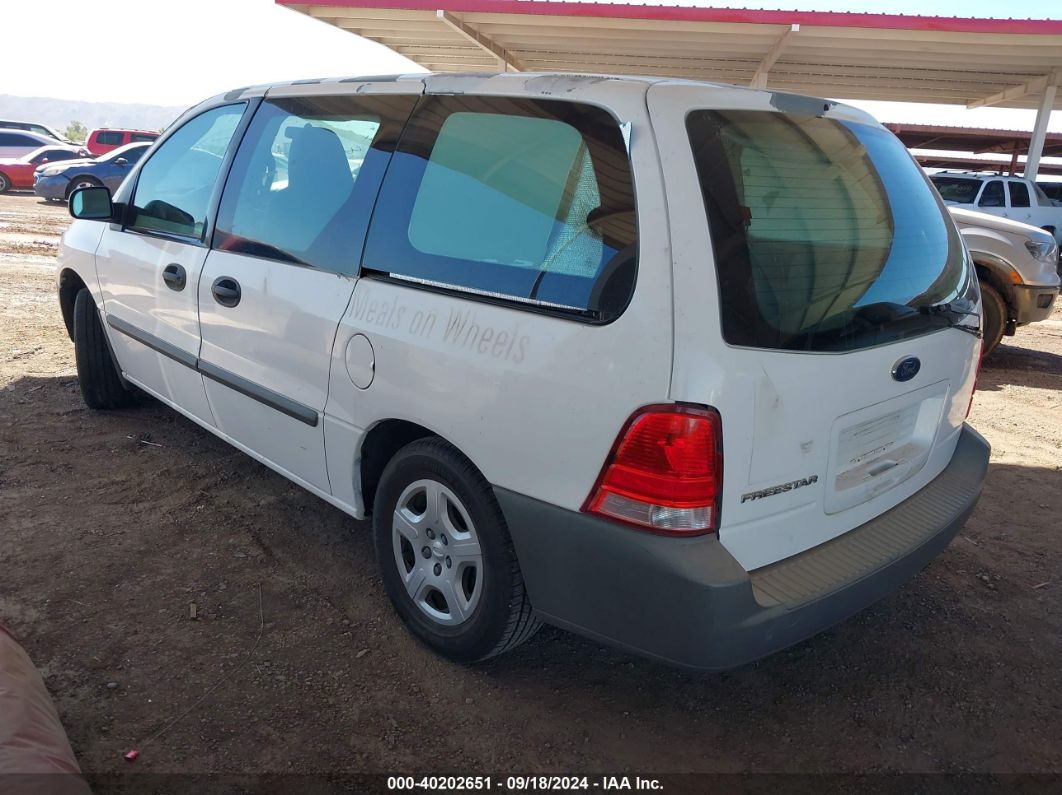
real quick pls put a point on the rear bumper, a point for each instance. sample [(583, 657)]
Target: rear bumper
[(1032, 303), (688, 602)]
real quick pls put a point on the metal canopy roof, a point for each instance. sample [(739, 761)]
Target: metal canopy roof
[(960, 163), (972, 139), (975, 62)]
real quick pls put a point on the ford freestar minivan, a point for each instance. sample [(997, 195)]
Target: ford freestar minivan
[(681, 367)]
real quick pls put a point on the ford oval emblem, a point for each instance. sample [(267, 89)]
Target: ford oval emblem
[(906, 368)]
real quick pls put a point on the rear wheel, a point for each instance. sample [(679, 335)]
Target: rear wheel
[(82, 182), (101, 386), (5, 182), (445, 554), (994, 310)]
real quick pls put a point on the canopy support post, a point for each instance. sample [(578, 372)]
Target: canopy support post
[(759, 79), (1043, 115)]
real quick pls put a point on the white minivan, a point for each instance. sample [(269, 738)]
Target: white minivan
[(681, 367)]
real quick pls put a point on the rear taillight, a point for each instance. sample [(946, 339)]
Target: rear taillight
[(665, 471), (977, 374)]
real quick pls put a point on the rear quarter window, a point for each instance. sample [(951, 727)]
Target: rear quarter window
[(511, 199)]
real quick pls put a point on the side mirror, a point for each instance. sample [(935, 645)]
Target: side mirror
[(121, 161), (93, 204)]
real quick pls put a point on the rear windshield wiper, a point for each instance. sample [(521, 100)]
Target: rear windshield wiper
[(951, 315)]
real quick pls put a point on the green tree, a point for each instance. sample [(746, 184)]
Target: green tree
[(76, 132)]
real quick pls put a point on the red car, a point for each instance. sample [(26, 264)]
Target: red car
[(17, 172), (101, 141)]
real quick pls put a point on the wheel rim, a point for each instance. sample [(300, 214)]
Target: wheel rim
[(437, 552), (3, 182), (84, 184)]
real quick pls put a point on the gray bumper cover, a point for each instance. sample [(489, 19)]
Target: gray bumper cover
[(688, 602), (1026, 300)]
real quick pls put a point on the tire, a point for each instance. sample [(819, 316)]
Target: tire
[(994, 310), (101, 386), (82, 182), (466, 608), (5, 182)]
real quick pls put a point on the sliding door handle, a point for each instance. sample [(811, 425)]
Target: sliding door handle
[(175, 276), (226, 291)]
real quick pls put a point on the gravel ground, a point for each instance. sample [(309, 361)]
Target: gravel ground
[(113, 524)]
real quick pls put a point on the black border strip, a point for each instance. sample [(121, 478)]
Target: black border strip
[(167, 349), (268, 397), (274, 400)]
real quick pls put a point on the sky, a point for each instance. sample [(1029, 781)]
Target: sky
[(178, 52)]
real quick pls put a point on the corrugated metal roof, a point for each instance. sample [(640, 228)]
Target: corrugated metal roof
[(971, 139), (851, 55)]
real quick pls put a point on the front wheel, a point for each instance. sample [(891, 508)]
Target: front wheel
[(445, 554), (81, 182), (101, 385), (994, 309), (5, 182)]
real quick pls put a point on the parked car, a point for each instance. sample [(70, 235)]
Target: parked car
[(17, 172), (34, 127), (1008, 197), (56, 181), (1052, 190), (16, 143), (1017, 267), (701, 420), (101, 141)]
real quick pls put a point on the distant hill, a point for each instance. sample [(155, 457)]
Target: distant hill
[(58, 113)]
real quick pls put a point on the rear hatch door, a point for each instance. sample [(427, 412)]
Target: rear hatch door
[(824, 304)]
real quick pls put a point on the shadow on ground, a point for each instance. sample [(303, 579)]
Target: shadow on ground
[(115, 524)]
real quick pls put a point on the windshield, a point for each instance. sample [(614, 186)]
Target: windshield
[(957, 189), (29, 156), (130, 152), (827, 235)]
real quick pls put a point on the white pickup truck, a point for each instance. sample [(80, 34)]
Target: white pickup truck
[(1015, 198), (1017, 268)]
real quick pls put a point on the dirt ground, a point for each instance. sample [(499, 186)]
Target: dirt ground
[(111, 524)]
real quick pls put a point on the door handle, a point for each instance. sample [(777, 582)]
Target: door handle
[(175, 276), (226, 291)]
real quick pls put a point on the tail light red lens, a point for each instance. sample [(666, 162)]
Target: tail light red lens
[(665, 471), (977, 374)]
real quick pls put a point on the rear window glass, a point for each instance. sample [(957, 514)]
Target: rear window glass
[(992, 195), (826, 234), (1019, 194), (957, 189), (529, 200)]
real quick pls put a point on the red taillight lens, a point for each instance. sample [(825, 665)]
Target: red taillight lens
[(665, 472), (977, 374)]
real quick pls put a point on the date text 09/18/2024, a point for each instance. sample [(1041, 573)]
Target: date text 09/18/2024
[(522, 783)]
